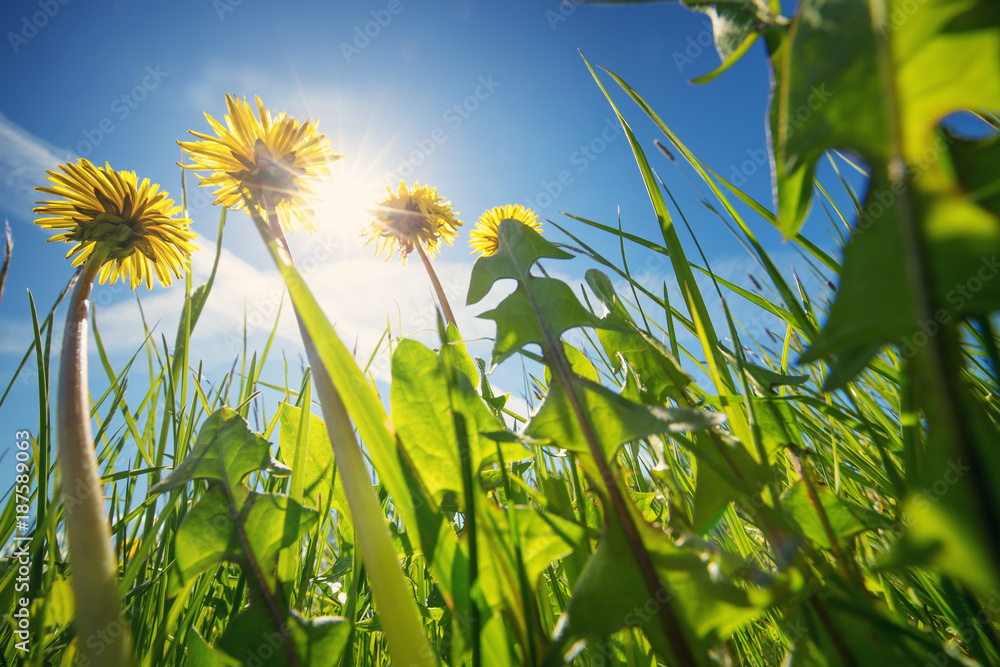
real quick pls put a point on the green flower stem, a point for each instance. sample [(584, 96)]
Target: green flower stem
[(442, 299), (403, 630), (103, 636), (670, 622)]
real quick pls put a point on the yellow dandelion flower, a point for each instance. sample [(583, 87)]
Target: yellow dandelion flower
[(275, 159), (410, 217), (110, 212), (131, 547), (483, 239)]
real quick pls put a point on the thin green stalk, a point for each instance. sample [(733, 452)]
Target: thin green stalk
[(8, 249), (258, 579), (103, 636), (670, 622), (469, 487), (403, 630)]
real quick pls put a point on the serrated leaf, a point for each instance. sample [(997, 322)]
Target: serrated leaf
[(209, 533), (610, 593), (520, 316), (579, 363), (658, 374), (847, 81), (615, 419), (520, 247), (318, 642), (200, 654), (846, 518), (226, 451)]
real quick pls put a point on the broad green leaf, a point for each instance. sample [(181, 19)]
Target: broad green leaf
[(977, 166), (945, 516), (498, 645), (60, 606), (541, 539), (846, 518), (615, 420), (649, 504), (200, 654), (491, 479), (540, 309), (579, 362), (320, 466), (879, 84), (605, 292), (211, 530), (736, 26), (712, 494), (659, 374), (726, 471), (521, 315), (463, 360), (889, 76), (318, 642), (225, 451), (610, 593), (544, 538), (520, 247), (839, 634), (422, 416)]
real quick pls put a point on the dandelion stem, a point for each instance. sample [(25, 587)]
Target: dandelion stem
[(100, 628), (442, 299)]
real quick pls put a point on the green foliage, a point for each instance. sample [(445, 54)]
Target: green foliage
[(682, 494)]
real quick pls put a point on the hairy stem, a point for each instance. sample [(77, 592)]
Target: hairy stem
[(442, 299), (103, 636)]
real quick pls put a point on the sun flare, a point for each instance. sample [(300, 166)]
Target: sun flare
[(346, 201)]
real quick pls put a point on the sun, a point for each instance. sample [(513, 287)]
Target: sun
[(345, 200)]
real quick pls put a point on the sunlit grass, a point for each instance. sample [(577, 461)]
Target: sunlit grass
[(684, 494)]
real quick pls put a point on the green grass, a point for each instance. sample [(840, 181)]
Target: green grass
[(686, 494)]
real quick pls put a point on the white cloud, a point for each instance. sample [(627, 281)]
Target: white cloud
[(359, 294), (23, 161)]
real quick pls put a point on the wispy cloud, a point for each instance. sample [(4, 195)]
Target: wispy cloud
[(360, 295), (23, 161)]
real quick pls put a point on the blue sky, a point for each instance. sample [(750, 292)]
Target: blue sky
[(490, 102)]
